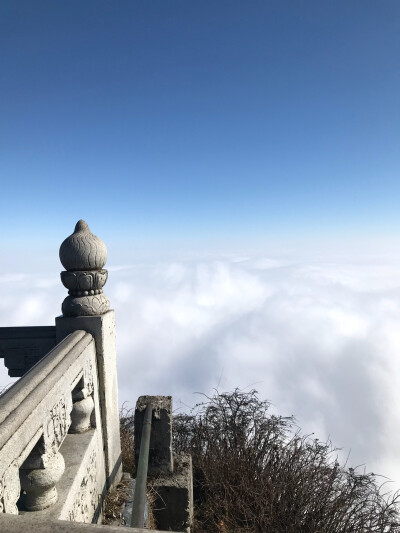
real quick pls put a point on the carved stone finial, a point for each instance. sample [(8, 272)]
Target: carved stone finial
[(83, 250), (83, 256)]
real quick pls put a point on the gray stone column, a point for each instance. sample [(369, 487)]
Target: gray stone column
[(83, 256)]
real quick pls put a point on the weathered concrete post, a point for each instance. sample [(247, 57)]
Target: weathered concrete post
[(83, 255), (160, 456), (172, 474)]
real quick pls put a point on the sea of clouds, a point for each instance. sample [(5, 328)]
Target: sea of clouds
[(318, 337)]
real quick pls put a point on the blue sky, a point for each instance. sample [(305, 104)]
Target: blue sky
[(201, 121)]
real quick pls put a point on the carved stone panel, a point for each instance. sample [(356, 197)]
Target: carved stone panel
[(86, 500), (10, 489), (56, 427), (88, 376)]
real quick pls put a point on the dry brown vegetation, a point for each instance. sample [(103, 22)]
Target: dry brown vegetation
[(114, 502), (253, 472), (126, 419)]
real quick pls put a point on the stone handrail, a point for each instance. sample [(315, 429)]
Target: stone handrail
[(57, 396), (21, 398)]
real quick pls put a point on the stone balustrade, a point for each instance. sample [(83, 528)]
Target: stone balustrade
[(51, 414)]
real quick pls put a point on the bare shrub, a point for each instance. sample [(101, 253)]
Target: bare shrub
[(126, 420), (253, 472)]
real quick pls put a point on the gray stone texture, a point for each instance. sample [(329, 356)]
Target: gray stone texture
[(160, 452), (82, 486), (83, 255), (83, 250), (37, 524), (91, 305), (173, 505), (39, 484)]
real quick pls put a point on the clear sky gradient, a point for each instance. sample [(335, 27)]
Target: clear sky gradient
[(201, 120)]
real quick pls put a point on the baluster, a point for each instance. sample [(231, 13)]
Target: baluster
[(39, 475), (45, 465), (82, 408)]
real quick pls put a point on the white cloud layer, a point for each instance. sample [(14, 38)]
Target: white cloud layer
[(320, 339)]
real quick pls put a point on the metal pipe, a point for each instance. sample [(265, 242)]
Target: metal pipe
[(139, 499)]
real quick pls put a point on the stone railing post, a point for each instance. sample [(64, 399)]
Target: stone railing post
[(83, 255)]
